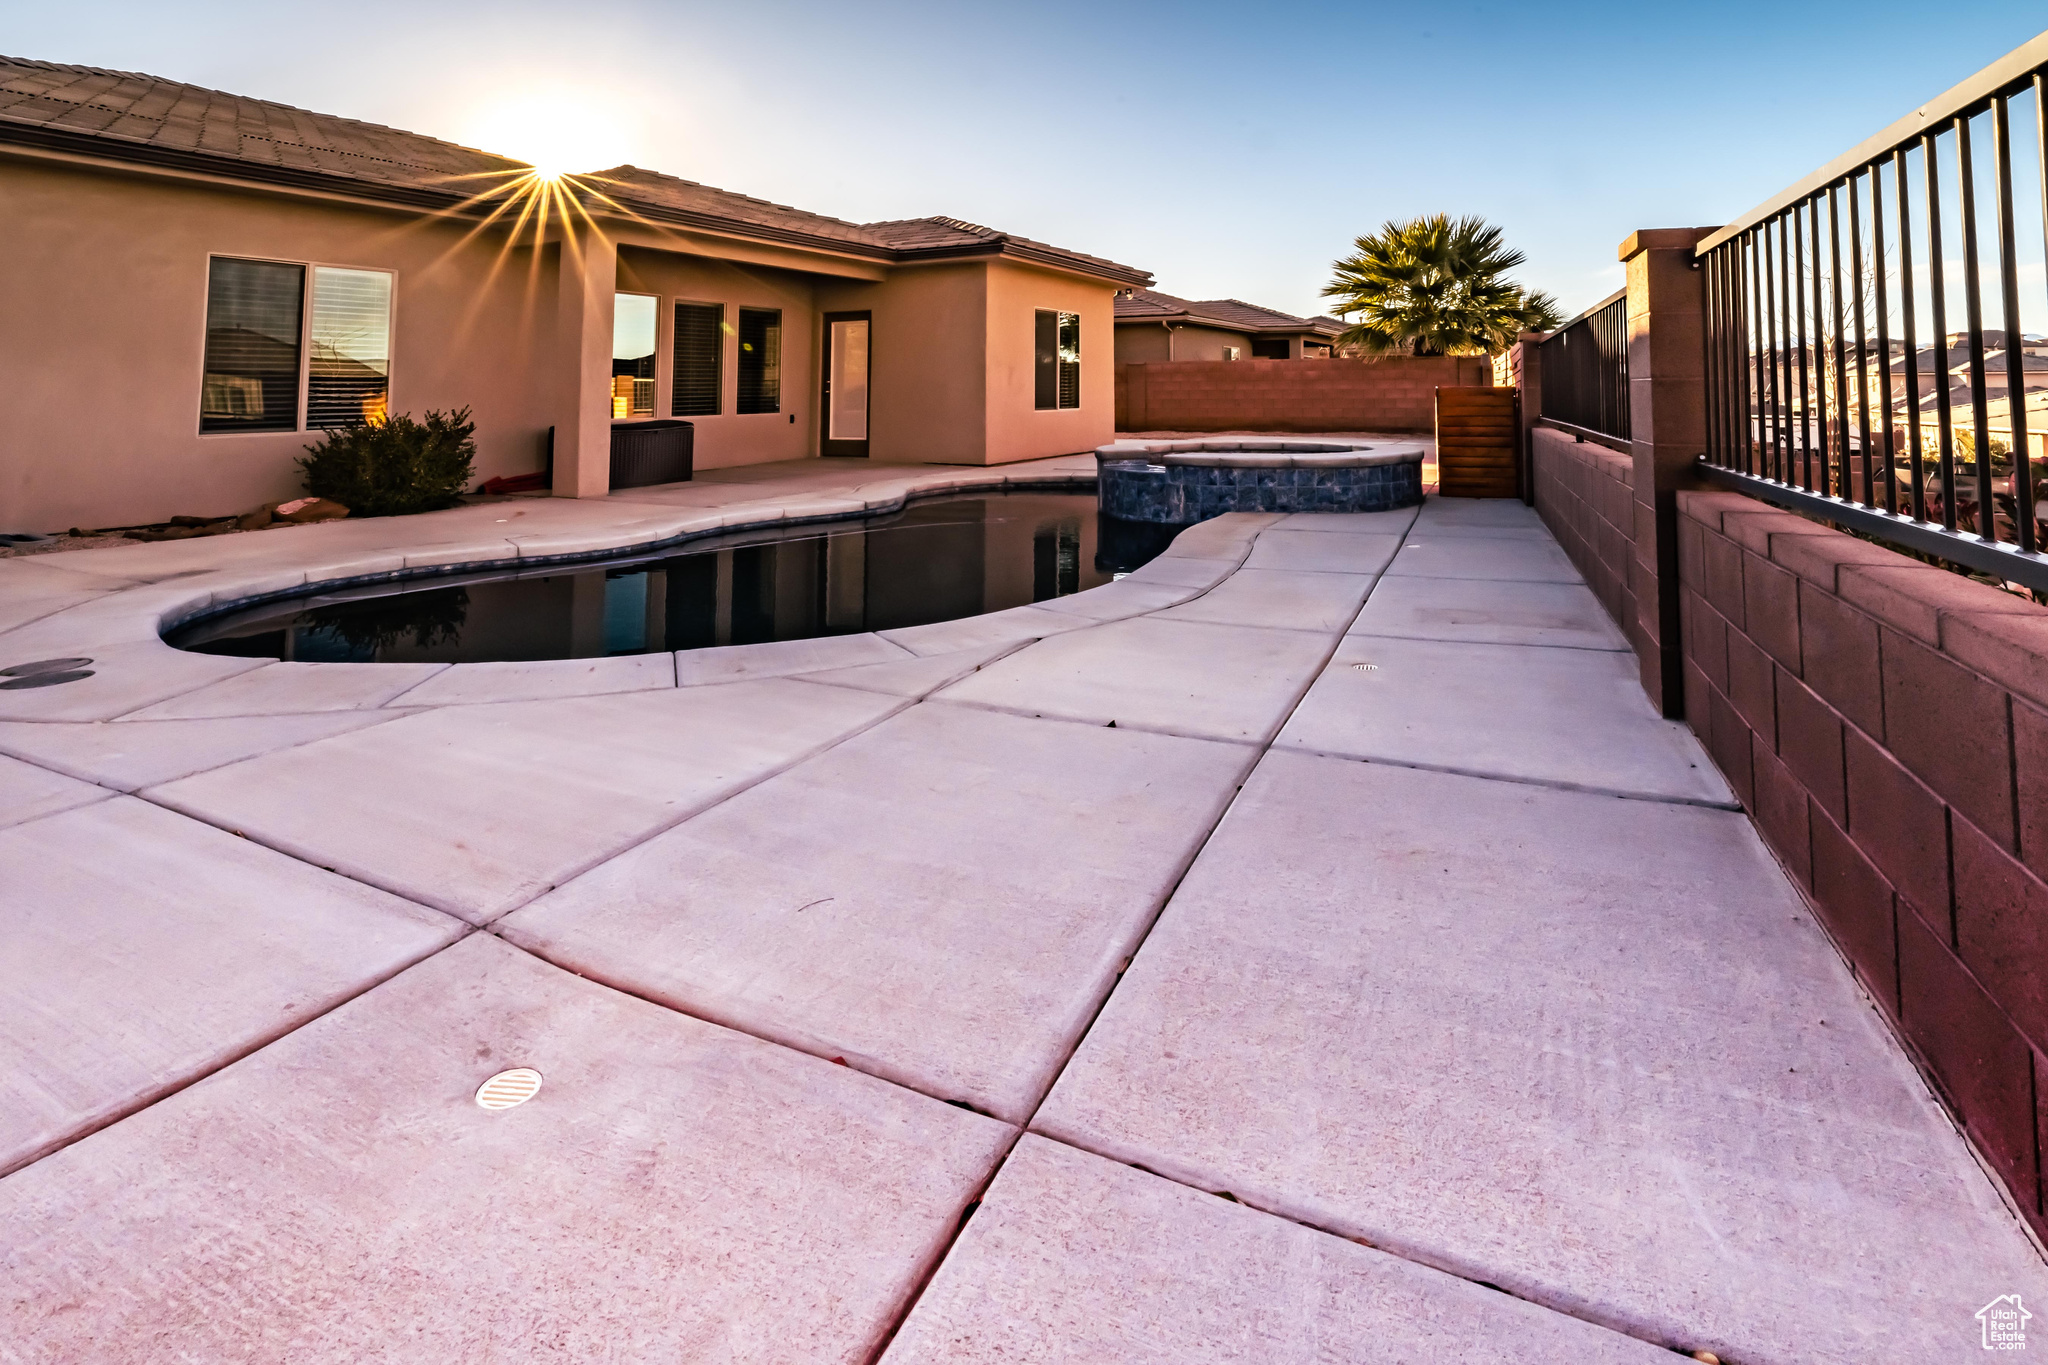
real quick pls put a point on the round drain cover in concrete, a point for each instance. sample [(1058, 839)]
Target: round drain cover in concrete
[(508, 1088), (43, 673)]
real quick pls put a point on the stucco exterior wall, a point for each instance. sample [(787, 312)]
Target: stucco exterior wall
[(1146, 343), (104, 278), (928, 377), (1016, 429), (732, 438)]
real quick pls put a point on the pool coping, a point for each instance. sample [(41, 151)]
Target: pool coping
[(214, 609)]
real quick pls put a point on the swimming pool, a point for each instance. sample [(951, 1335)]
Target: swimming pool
[(933, 561)]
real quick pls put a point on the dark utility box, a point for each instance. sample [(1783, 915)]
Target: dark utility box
[(646, 453)]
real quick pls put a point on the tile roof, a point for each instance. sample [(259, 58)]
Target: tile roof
[(127, 116), (146, 112), (1144, 305)]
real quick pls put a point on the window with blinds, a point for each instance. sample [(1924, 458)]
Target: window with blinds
[(760, 367), (348, 340), (251, 375), (1056, 360), (699, 360)]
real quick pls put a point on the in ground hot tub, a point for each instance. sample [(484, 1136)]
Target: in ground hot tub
[(1181, 482)]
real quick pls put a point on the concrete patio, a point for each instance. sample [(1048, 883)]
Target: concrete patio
[(1309, 947)]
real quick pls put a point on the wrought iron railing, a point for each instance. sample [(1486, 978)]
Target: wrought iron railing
[(1834, 383), (1585, 370)]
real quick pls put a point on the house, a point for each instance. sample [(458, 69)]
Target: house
[(198, 283), (1151, 326)]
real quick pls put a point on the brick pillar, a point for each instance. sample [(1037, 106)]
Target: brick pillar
[(583, 311), (1525, 373), (1668, 431)]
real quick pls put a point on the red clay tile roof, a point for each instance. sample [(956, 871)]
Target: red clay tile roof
[(127, 116), (1148, 305)]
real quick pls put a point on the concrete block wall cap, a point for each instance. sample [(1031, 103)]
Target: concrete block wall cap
[(1819, 558), (1708, 507), (1662, 239), (1913, 598), (1753, 527)]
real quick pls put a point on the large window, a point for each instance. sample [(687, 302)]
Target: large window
[(633, 323), (760, 369), (700, 357), (1056, 369), (270, 358), (252, 346), (348, 366)]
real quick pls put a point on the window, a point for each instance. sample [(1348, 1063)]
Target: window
[(348, 370), (1232, 352), (700, 360), (1056, 372), (252, 346), (633, 322), (1269, 348), (259, 330), (760, 370)]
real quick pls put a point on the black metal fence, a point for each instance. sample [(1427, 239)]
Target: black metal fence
[(1834, 382), (1585, 370)]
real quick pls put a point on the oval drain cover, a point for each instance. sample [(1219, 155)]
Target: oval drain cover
[(22, 684), (508, 1088), (43, 673)]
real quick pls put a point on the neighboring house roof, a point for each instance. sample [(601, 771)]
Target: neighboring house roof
[(136, 118), (1149, 305)]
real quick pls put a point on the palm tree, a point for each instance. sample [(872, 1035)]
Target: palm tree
[(1432, 286)]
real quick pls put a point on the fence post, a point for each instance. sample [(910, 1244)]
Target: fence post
[(1525, 373), (1667, 432)]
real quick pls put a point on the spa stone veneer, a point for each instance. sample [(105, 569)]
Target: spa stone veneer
[(1178, 482)]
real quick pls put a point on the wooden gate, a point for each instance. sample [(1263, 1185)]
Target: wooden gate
[(1476, 453)]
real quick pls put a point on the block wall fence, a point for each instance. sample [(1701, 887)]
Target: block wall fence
[(1396, 393), (1885, 724)]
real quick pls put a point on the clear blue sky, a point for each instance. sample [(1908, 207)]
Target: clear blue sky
[(1231, 149)]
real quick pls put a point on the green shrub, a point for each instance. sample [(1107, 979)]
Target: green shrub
[(395, 466)]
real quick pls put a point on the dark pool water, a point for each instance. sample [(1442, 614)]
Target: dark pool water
[(934, 561)]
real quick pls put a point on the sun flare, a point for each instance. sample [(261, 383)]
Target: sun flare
[(558, 132)]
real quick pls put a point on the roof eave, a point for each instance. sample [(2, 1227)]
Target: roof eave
[(115, 150)]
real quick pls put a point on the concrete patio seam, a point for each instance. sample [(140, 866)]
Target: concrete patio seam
[(689, 813), (464, 931), (1498, 644), (1551, 783), (969, 671), (1263, 749), (1400, 1253), (1138, 726), (280, 749)]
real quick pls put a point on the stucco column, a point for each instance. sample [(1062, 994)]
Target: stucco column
[(583, 313), (1667, 405)]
